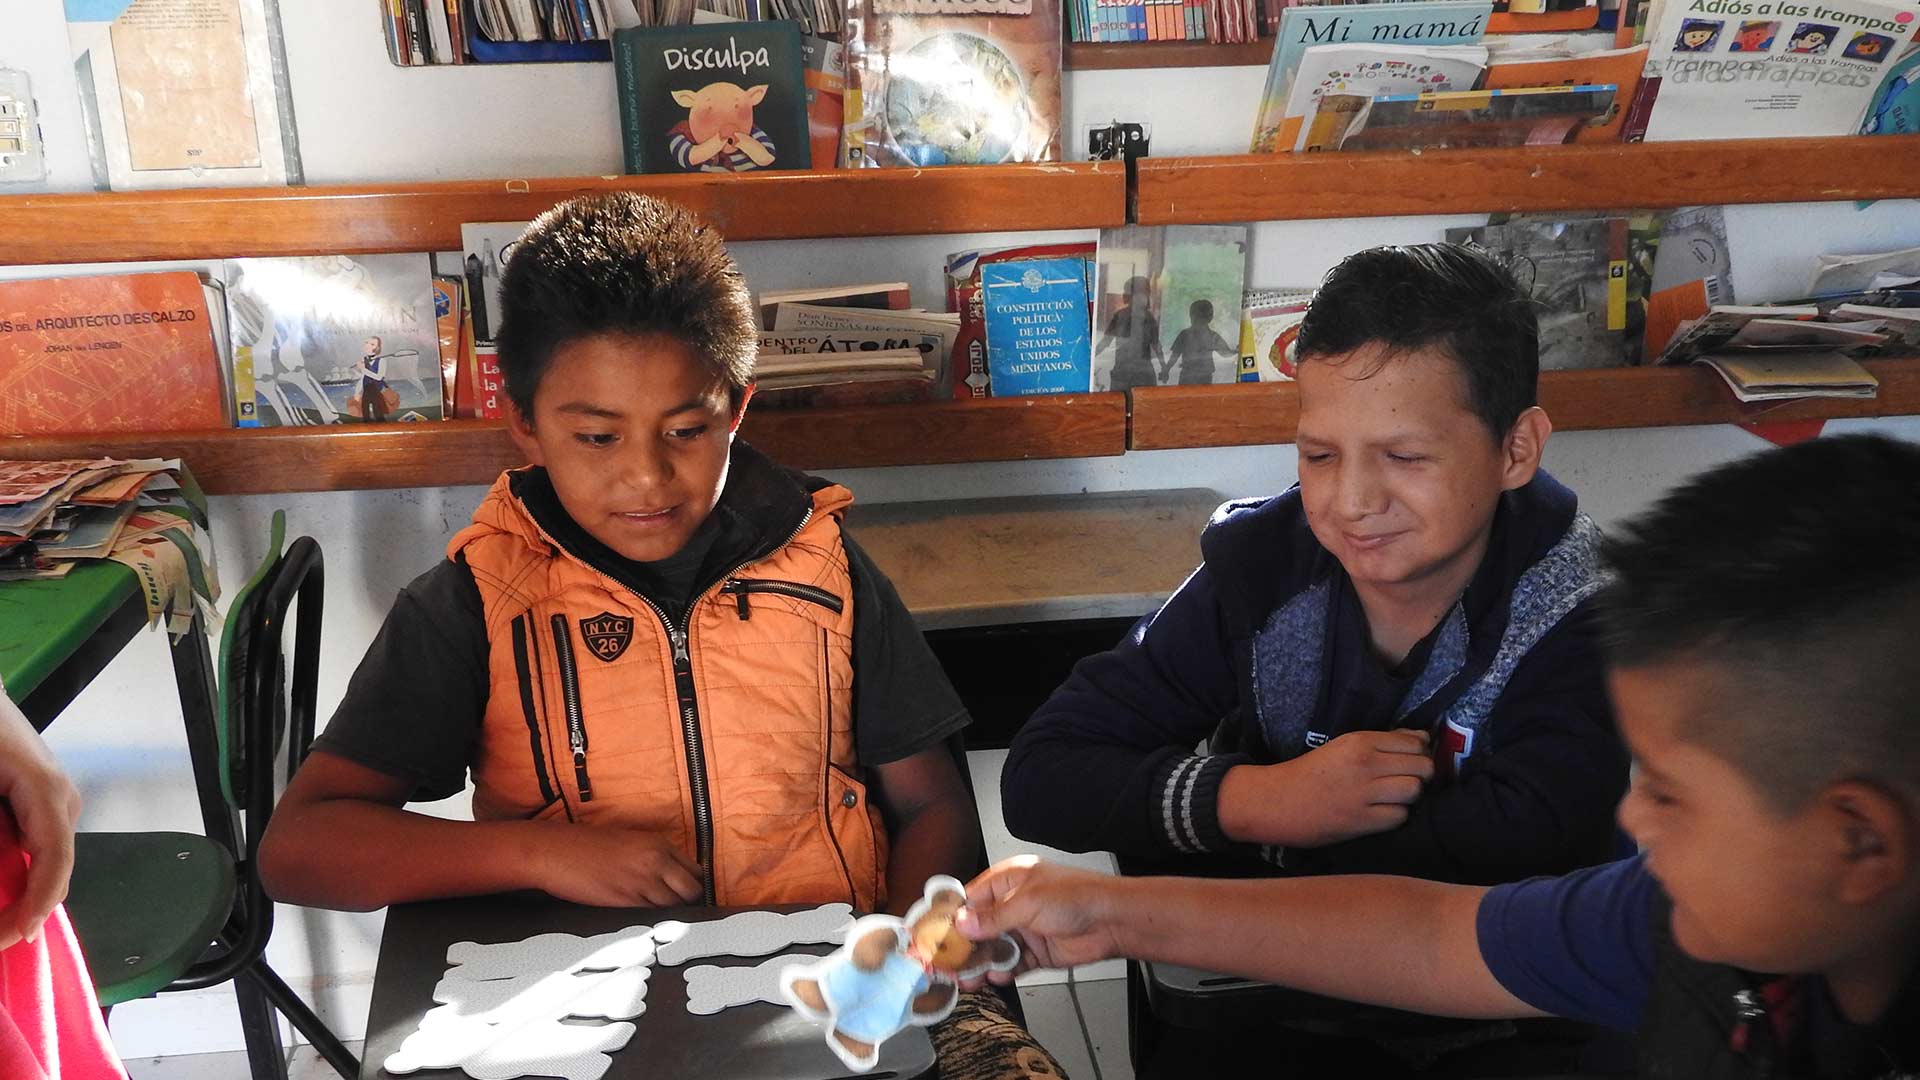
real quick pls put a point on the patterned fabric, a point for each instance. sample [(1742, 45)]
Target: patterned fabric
[(979, 1041)]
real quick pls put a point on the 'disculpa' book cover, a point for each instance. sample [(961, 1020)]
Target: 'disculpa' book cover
[(714, 97)]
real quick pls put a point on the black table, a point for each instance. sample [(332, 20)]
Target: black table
[(748, 1042)]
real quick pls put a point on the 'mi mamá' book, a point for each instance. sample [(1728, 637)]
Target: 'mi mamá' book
[(715, 97)]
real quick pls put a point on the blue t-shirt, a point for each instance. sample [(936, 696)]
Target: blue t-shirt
[(1578, 946)]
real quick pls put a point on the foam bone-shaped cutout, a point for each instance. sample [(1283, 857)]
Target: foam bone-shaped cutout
[(551, 952), (618, 995), (487, 1052), (751, 933), (893, 973), (711, 989)]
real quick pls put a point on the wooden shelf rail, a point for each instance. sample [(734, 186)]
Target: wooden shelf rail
[(1095, 55), (366, 219), (364, 456), (1650, 176), (1176, 417)]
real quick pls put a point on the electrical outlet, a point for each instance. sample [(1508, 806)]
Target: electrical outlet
[(1118, 141), (21, 158)]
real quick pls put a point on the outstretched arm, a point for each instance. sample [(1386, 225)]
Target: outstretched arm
[(1398, 942)]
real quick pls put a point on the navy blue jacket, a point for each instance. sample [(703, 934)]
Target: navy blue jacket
[(1255, 653)]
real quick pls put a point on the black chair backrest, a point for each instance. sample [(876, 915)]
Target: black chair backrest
[(265, 717)]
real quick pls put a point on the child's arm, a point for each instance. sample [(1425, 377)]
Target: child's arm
[(340, 839), (1398, 942), (930, 821)]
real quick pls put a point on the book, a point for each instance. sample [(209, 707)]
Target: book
[(1373, 70), (952, 89), (1037, 334), (447, 315), (1620, 68), (1895, 109), (1715, 75), (485, 248), (970, 376), (853, 388), (891, 295), (1269, 327), (825, 78), (1776, 376), (775, 343), (118, 352), (1721, 323), (1168, 305), (312, 333), (1528, 116), (480, 393), (718, 98), (183, 95), (1421, 22), (1874, 270), (1568, 267), (788, 318)]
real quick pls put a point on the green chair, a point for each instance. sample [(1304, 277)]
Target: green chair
[(161, 911)]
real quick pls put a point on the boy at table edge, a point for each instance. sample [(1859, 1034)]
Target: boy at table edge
[(1394, 663), (653, 631), (1760, 637)]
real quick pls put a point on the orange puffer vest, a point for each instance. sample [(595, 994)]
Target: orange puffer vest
[(732, 735)]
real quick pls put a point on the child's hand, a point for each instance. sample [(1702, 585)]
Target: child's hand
[(1062, 917), (616, 867), (46, 808), (1356, 785)]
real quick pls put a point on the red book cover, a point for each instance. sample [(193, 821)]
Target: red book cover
[(120, 352)]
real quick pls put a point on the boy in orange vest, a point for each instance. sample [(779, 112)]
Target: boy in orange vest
[(653, 631)]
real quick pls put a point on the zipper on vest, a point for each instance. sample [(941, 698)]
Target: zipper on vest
[(570, 692), (740, 588), (524, 669), (696, 755)]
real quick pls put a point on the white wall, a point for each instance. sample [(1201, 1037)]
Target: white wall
[(360, 119)]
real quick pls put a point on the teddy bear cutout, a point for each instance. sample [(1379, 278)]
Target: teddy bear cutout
[(893, 973)]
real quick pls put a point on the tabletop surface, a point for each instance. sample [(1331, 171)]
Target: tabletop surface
[(749, 1042), (44, 622), (982, 562)]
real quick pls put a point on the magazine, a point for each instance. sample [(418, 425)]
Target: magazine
[(329, 339), (485, 246)]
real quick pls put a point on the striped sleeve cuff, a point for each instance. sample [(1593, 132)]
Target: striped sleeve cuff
[(1187, 802)]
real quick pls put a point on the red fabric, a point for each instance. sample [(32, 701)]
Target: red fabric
[(50, 1023)]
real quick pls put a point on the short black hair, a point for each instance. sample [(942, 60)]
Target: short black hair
[(628, 264), (1795, 575), (1453, 296), (1200, 310)]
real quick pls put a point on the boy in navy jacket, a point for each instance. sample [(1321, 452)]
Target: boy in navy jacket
[(1393, 663), (1760, 632)]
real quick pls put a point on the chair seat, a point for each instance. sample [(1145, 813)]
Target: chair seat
[(146, 906)]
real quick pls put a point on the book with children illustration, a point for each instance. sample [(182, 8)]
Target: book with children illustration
[(1768, 73), (332, 339), (720, 97), (1168, 305), (1357, 30)]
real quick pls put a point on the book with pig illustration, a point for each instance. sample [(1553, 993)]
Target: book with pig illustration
[(714, 97)]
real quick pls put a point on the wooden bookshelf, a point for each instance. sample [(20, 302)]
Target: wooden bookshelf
[(366, 219), (363, 456), (1285, 187), (1093, 55), (1176, 417)]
